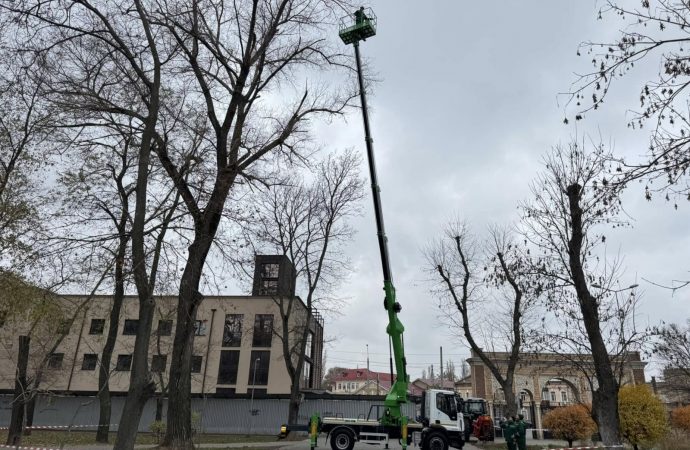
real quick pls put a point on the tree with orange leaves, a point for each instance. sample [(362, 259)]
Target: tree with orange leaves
[(680, 418), (570, 423)]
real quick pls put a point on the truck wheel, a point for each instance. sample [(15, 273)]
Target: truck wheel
[(436, 441), (342, 440)]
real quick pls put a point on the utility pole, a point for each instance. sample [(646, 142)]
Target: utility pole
[(367, 366), (251, 404), (440, 371)]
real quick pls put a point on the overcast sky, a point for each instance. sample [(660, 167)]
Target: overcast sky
[(466, 106)]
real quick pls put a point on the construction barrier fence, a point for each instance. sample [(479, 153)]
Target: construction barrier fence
[(216, 415)]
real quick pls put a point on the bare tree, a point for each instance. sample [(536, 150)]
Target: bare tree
[(240, 54), (42, 319), (464, 278), (24, 121), (308, 223), (673, 349), (145, 62), (96, 209), (656, 33), (98, 60), (572, 198)]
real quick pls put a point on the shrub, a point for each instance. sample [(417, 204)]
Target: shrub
[(642, 415), (680, 418), (570, 423), (158, 428)]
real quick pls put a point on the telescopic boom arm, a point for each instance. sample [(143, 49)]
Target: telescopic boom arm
[(364, 27)]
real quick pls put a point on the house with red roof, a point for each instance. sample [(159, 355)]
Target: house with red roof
[(361, 382)]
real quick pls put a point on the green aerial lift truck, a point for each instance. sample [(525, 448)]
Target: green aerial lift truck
[(441, 421)]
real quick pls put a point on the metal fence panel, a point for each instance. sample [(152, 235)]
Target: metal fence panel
[(216, 415)]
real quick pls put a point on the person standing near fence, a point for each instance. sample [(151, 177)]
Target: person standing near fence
[(509, 432), (521, 433)]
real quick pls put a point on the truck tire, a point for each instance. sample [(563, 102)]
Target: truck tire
[(435, 440), (342, 439)]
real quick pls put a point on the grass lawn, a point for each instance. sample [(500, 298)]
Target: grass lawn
[(56, 438)]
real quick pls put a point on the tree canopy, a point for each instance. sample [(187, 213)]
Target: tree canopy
[(642, 415), (570, 423)]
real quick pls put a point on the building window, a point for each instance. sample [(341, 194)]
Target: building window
[(232, 332), (165, 327), (196, 363), (131, 326), (263, 330), (270, 270), (199, 328), (258, 369), (97, 326), (553, 396), (158, 363), (308, 350), (564, 397), (90, 361), (64, 326), (268, 287), (55, 360), (225, 390), (306, 375), (257, 391), (124, 363), (227, 370)]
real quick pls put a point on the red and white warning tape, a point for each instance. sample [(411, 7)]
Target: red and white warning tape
[(59, 427), (27, 448), (588, 448)]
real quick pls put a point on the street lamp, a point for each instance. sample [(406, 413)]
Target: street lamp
[(251, 404)]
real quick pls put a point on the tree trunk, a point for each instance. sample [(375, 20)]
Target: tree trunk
[(570, 443), (104, 404), (14, 434), (159, 407), (296, 374), (605, 407), (605, 398), (141, 386), (178, 432), (104, 401), (295, 401), (30, 410), (511, 402)]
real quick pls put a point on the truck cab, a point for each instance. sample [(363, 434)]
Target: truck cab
[(442, 417)]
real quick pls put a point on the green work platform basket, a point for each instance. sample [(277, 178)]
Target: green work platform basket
[(357, 26)]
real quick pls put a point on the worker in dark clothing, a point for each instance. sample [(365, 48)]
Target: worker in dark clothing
[(509, 432), (521, 433), (360, 17)]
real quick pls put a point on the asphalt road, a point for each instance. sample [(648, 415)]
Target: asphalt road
[(323, 445)]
